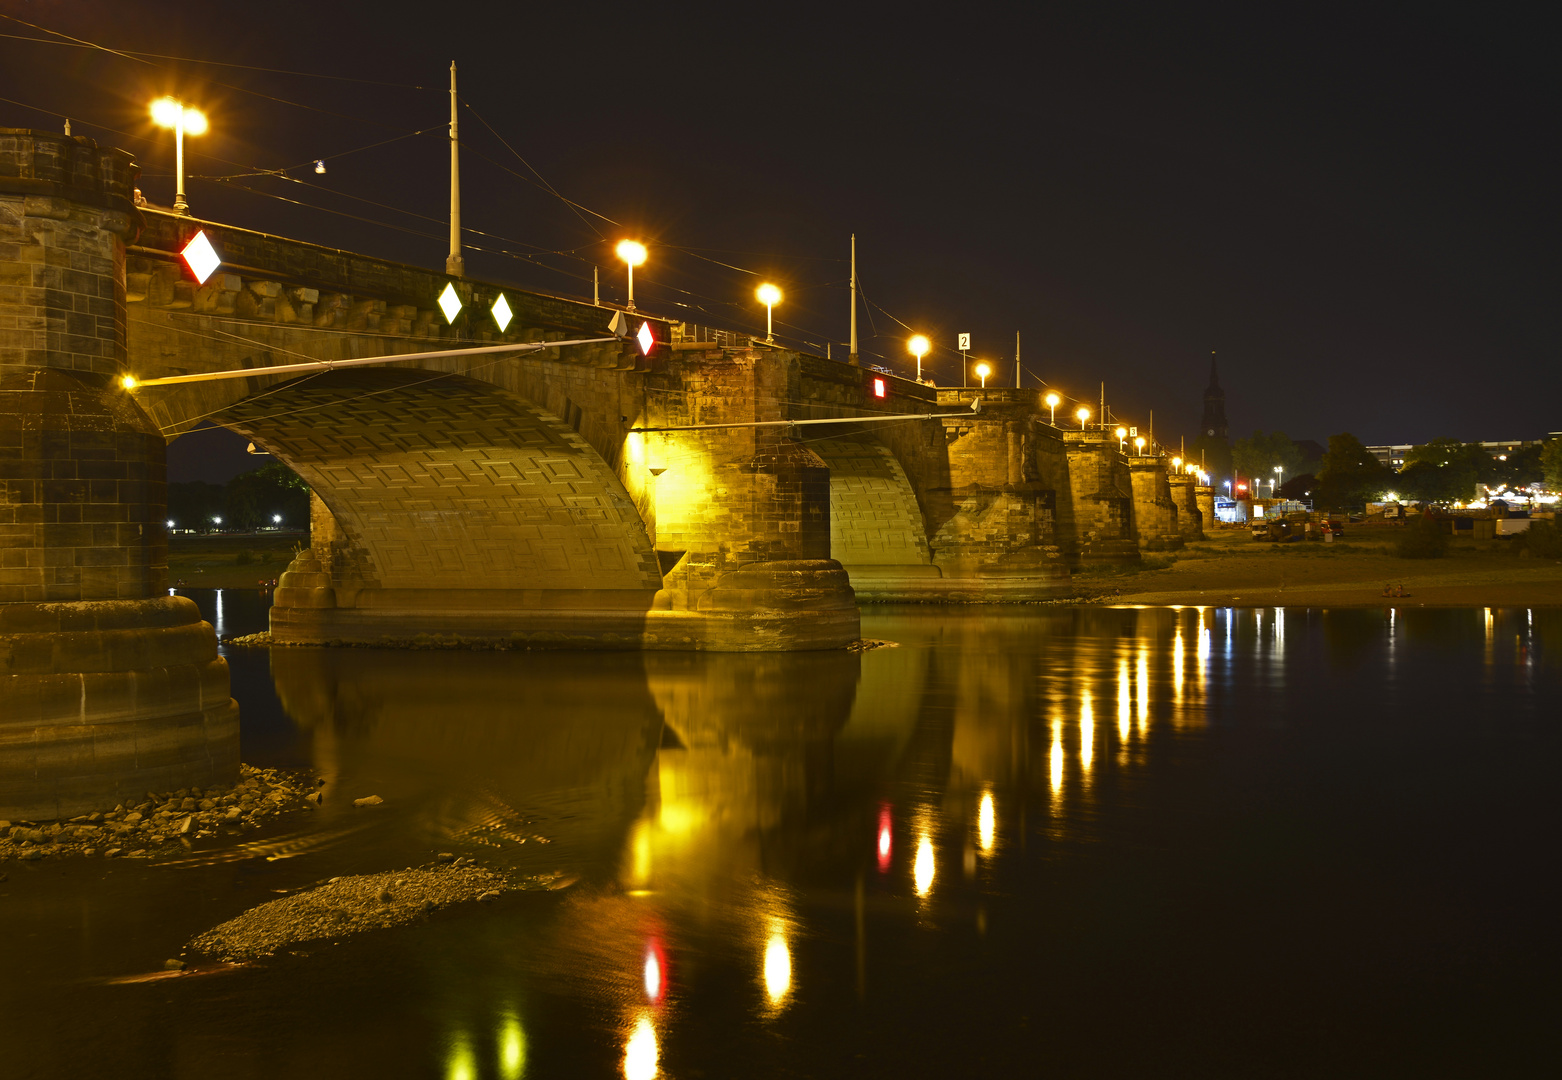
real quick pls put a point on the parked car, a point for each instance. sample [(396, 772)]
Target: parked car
[(1331, 528)]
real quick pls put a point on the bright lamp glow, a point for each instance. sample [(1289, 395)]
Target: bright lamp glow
[(641, 1053), (449, 302), (631, 251), (982, 371), (194, 122), (502, 313), (165, 112), (1083, 414), (1052, 401), (918, 346), (128, 382), (1176, 463), (201, 257), (1122, 433), (768, 294)]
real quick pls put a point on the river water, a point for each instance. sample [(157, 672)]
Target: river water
[(1018, 842)]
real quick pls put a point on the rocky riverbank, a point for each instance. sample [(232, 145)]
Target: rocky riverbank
[(164, 822), (353, 905)]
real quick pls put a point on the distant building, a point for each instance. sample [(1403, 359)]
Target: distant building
[(1213, 445), (1394, 456)]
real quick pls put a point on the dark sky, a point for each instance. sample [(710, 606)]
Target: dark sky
[(1355, 205)]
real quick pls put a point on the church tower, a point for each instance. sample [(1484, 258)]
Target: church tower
[(1214, 438)]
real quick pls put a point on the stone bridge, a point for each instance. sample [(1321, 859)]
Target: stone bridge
[(580, 495)]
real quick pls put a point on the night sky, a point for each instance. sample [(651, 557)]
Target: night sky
[(1356, 208)]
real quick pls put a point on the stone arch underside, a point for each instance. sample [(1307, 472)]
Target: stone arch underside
[(874, 515), (448, 493)]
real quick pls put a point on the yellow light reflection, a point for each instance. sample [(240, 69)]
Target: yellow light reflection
[(1142, 685), (1280, 628), (1124, 701), (641, 1052), (778, 964), (1177, 665), (986, 822), (1087, 729), (922, 870), (461, 1065), (512, 1049)]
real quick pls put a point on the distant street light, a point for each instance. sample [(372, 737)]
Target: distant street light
[(1139, 446), (1083, 414), (1280, 472), (770, 296), (633, 254), (1176, 464), (171, 113), (276, 519), (1052, 407), (1122, 438), (982, 371), (919, 345)]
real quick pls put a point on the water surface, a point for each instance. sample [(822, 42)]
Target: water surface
[(1061, 841)]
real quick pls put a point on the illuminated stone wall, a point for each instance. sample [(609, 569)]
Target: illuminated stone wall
[(1103, 497), (1155, 512)]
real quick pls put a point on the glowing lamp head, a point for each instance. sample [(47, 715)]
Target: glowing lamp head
[(165, 112), (1139, 442), (1052, 401), (1083, 414), (768, 294), (918, 346), (128, 382), (1122, 433), (631, 251), (194, 122), (1176, 462), (982, 371)]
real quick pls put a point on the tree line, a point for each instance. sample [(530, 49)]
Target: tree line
[(1440, 471), (249, 501)]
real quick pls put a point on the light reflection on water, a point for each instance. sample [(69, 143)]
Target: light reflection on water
[(768, 843)]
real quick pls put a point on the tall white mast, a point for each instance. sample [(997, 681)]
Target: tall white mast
[(852, 357), (455, 265)]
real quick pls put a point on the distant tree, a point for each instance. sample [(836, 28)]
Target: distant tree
[(1458, 468), (193, 505), (1257, 456), (1351, 476), (252, 499), (1521, 469), (1551, 462)]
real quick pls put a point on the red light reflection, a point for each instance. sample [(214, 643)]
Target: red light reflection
[(884, 839)]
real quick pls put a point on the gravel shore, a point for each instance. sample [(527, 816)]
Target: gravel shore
[(164, 822)]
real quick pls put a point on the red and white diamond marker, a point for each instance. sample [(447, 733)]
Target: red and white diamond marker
[(645, 338), (201, 257)]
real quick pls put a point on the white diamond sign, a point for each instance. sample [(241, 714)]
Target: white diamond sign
[(502, 313), (645, 338), (201, 257), (449, 302)]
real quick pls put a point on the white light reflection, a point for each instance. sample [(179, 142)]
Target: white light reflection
[(778, 964), (641, 1052), (1279, 629), (1057, 759), (1143, 686), (1124, 701), (922, 870), (461, 1065), (1177, 665), (1087, 729), (653, 976), (986, 823)]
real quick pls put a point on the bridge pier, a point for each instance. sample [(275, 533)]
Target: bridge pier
[(1156, 517), (1103, 497), (1190, 519), (108, 687)]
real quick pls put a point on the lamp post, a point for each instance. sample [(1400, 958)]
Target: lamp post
[(919, 346), (1122, 437), (633, 254), (1279, 472), (1176, 464), (1083, 414), (1139, 446), (171, 113), (1052, 407), (770, 296), (982, 371)]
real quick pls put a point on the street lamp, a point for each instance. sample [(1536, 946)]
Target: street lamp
[(276, 519), (1052, 406), (1083, 414), (1139, 446), (919, 346), (1176, 464), (770, 296), (1122, 435), (171, 113), (633, 254), (1280, 472), (982, 371)]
